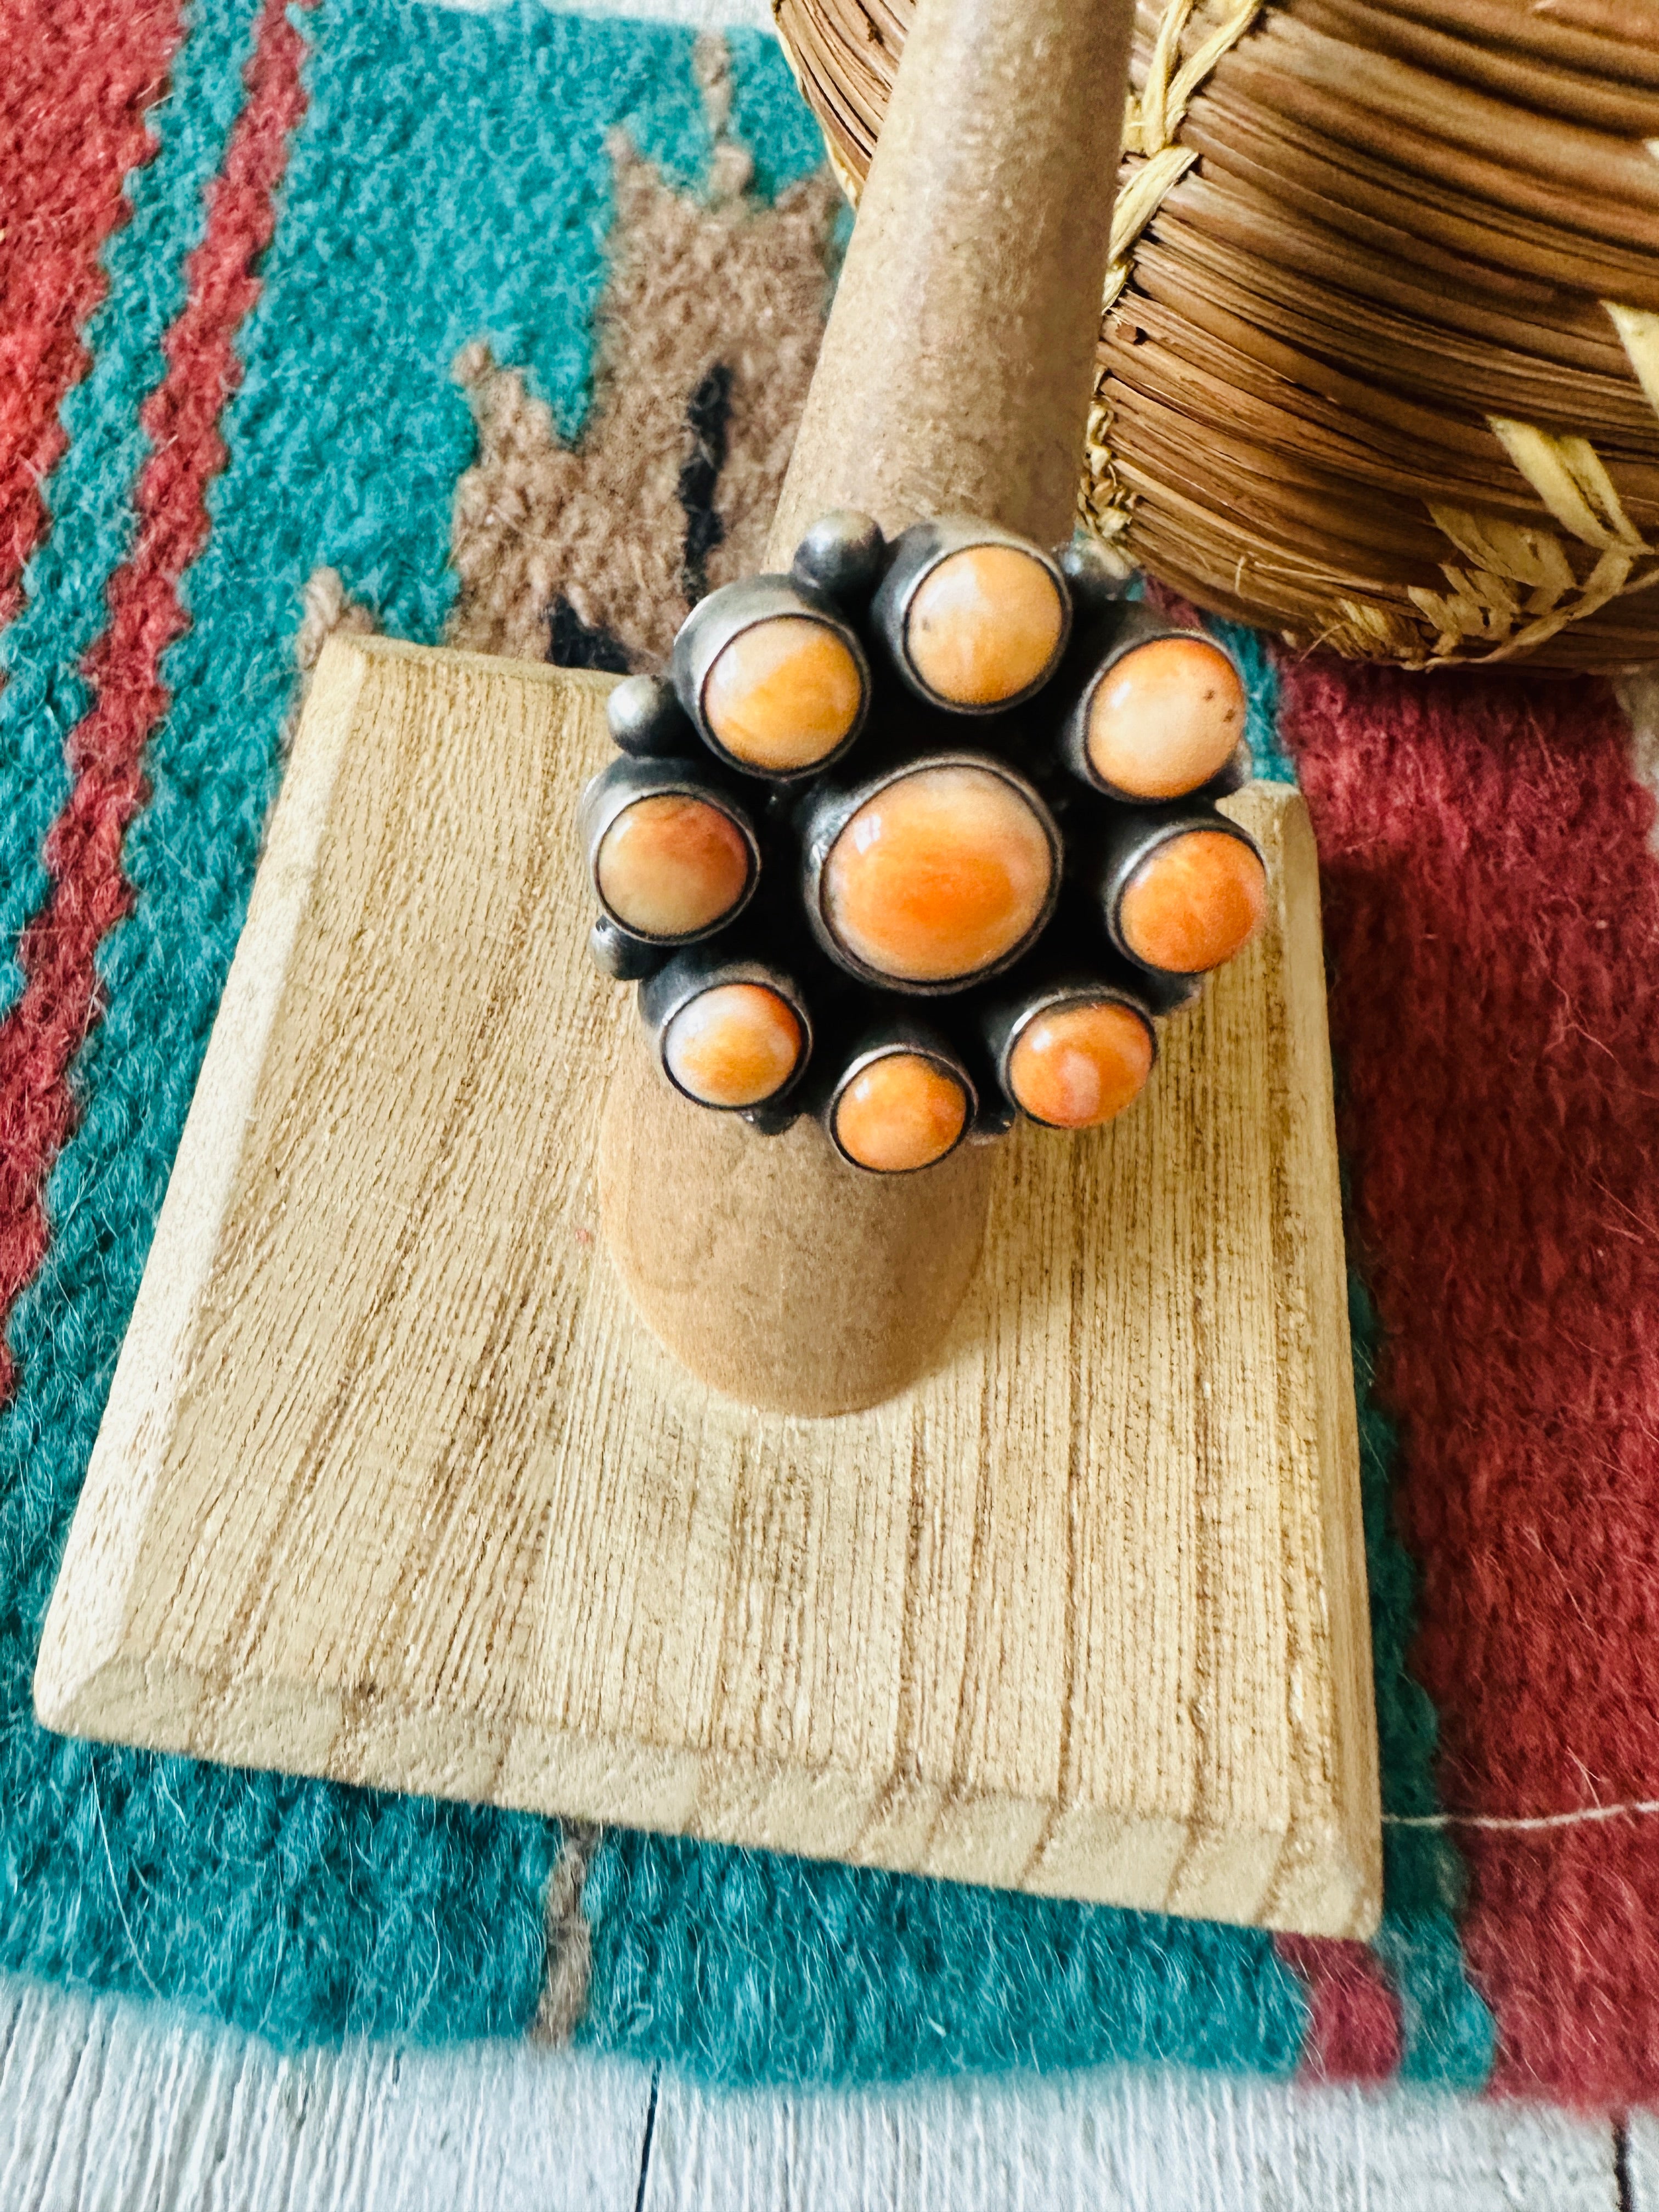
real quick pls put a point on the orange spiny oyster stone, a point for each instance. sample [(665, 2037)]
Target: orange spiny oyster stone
[(941, 873), (735, 1044), (783, 694), (1074, 1067), (983, 626), (903, 1111), (1193, 902), (671, 865), (1166, 718)]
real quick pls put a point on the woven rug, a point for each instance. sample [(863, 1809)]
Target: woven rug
[(493, 328)]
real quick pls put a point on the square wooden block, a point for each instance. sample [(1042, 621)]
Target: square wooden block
[(394, 1486)]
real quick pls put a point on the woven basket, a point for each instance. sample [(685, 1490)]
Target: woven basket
[(1379, 365)]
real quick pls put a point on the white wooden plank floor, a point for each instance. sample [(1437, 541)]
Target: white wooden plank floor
[(111, 2106), (1639, 2164), (130, 2108), (1123, 2143)]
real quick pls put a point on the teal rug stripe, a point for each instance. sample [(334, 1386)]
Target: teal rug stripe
[(1449, 2036), (88, 496), (741, 1967), (448, 182)]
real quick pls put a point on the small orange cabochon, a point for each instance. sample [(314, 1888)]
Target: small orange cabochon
[(940, 874), (903, 1111), (1165, 717), (1076, 1065), (783, 694), (671, 865), (1195, 901), (984, 625), (736, 1044)]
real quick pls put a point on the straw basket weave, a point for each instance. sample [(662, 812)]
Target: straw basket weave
[(1379, 365)]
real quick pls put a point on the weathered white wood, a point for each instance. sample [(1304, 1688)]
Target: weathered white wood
[(394, 1485), (110, 2106), (1122, 2141), (1642, 2162)]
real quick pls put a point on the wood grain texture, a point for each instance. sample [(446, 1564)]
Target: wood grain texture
[(393, 1485), (1130, 2141), (111, 2106), (1641, 2163)]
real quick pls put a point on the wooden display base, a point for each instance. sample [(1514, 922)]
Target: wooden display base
[(393, 1487)]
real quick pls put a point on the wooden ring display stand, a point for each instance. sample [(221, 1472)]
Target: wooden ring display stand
[(395, 1486)]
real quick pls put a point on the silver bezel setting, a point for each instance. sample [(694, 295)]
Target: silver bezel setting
[(1123, 863), (888, 1047), (836, 809), (1072, 993), (1074, 730), (626, 780), (921, 549), (725, 615), (673, 989)]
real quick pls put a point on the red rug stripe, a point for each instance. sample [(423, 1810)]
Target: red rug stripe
[(78, 80), (1493, 927), (90, 891), (1354, 2031), (1574, 1993)]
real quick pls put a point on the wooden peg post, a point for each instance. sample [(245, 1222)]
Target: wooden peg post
[(955, 376)]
